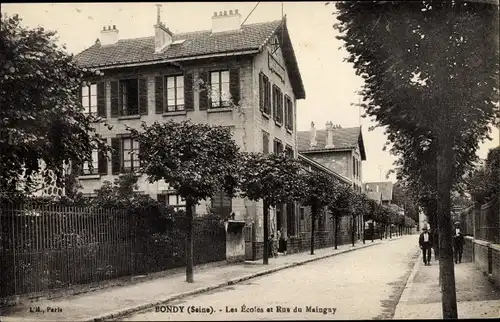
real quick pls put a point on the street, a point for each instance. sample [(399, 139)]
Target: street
[(365, 284)]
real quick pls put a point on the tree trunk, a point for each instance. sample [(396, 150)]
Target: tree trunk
[(314, 210), (363, 227), (335, 225), (189, 241), (353, 227), (446, 266), (265, 258), (381, 231), (373, 230)]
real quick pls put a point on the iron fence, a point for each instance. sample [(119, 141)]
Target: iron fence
[(44, 248)]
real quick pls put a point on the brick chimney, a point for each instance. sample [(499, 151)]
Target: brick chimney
[(329, 135), (224, 21), (313, 142), (163, 36), (109, 36)]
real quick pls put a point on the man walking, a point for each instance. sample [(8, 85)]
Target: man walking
[(425, 242), (458, 243)]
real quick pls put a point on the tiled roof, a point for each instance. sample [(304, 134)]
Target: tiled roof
[(197, 43), (343, 138), (250, 38), (384, 187)]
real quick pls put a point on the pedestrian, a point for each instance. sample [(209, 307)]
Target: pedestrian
[(270, 247), (458, 243), (425, 243), (282, 243)]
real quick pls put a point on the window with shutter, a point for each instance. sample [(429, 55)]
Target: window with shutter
[(174, 93), (261, 92), (176, 201), (91, 168), (128, 97), (265, 142), (277, 105), (278, 146), (220, 95), (130, 157), (89, 98), (265, 91), (289, 151)]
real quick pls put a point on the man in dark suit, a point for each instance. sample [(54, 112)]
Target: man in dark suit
[(458, 243), (425, 242)]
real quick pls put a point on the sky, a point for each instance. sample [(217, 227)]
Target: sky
[(330, 83)]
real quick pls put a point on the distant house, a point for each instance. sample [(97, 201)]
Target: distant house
[(385, 188), (341, 150)]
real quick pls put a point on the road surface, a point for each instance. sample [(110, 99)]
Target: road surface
[(363, 284)]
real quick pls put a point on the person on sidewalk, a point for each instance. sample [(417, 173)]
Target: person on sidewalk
[(425, 243), (458, 243)]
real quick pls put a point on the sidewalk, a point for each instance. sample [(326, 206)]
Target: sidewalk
[(421, 299), (121, 300)]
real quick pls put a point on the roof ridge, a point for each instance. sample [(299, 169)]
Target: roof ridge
[(198, 31)]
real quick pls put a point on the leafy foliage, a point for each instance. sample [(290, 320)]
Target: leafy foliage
[(321, 188), (272, 177), (196, 166), (41, 116), (484, 183)]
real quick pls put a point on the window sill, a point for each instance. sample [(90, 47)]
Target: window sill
[(220, 109), (129, 117), (279, 124), (289, 131), (174, 113), (89, 177), (267, 116)]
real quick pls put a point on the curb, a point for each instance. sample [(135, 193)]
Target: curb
[(409, 283), (117, 314)]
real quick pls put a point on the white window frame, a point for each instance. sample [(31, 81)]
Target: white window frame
[(127, 156), (178, 203), (175, 83), (89, 98), (220, 89), (95, 164)]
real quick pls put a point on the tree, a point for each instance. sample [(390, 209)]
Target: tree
[(197, 160), (339, 207), (41, 116), (358, 206), (428, 70), (274, 179), (321, 188)]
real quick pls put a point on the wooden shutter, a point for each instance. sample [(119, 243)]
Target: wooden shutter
[(274, 103), (268, 97), (102, 162), (261, 92), (204, 92), (290, 110), (234, 85), (114, 99), (159, 98), (79, 94), (116, 155), (101, 99), (143, 96), (265, 143), (188, 92)]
